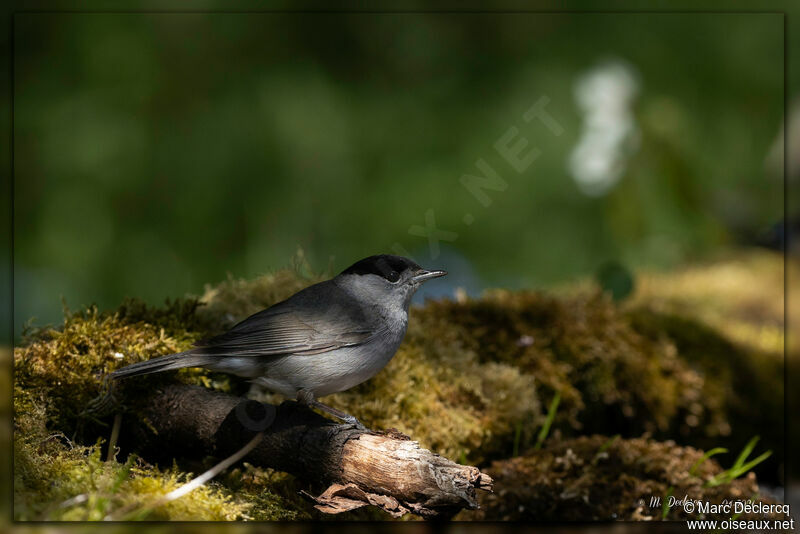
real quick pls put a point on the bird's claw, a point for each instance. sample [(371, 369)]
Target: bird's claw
[(350, 420)]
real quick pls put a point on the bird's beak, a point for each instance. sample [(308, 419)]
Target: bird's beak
[(423, 275)]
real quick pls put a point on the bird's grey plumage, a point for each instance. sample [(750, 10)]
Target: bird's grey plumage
[(326, 338), (317, 319)]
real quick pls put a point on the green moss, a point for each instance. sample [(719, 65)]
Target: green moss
[(473, 377), (608, 375), (597, 478), (58, 471), (726, 319), (746, 289), (5, 430), (57, 479), (273, 494), (447, 400), (65, 366)]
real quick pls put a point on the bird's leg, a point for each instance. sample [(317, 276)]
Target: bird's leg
[(347, 418), (307, 398)]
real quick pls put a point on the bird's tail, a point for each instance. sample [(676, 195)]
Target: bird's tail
[(179, 360)]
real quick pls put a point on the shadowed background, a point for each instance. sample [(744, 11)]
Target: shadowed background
[(158, 152)]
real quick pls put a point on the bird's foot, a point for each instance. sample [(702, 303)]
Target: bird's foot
[(350, 420), (342, 416), (307, 398)]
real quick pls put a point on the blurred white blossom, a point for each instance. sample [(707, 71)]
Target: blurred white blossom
[(609, 134)]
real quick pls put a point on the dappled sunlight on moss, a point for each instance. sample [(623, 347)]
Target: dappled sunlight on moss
[(741, 296), (66, 366), (57, 479), (58, 373), (448, 401), (608, 375), (471, 381)]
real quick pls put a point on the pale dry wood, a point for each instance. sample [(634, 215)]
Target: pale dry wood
[(354, 468)]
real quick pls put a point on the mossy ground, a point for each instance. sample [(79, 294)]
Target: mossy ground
[(59, 452), (597, 478), (472, 381), (726, 320)]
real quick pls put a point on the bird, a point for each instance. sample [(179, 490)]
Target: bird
[(326, 338)]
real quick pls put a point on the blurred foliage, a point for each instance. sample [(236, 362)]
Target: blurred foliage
[(472, 381), (615, 279), (154, 152)]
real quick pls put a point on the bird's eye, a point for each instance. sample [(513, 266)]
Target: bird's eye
[(393, 276)]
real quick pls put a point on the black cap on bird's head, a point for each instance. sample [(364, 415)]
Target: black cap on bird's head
[(392, 269)]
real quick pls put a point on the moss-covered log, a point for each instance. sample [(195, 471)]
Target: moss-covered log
[(360, 468), (693, 356)]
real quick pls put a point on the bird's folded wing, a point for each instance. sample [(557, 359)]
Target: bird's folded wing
[(288, 330)]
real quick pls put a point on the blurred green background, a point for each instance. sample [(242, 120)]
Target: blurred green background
[(154, 153)]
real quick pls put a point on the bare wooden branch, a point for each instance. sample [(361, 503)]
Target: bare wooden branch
[(358, 468)]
